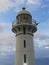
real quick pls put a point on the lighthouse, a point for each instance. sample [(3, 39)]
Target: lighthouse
[(24, 29)]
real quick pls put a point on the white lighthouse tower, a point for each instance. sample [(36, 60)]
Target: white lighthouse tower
[(24, 29)]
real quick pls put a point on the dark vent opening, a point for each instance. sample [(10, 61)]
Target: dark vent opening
[(24, 58), (24, 44)]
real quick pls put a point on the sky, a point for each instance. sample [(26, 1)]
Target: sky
[(39, 10)]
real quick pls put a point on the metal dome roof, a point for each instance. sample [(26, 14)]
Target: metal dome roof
[(23, 11)]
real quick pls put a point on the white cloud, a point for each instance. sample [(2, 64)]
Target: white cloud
[(5, 5), (40, 40), (40, 43), (19, 1), (34, 2), (6, 37), (3, 25), (7, 43), (7, 40)]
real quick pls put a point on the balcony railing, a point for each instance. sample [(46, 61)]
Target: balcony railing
[(14, 23)]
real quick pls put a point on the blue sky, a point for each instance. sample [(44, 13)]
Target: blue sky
[(39, 10)]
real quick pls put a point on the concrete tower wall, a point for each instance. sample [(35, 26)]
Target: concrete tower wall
[(24, 29), (28, 50)]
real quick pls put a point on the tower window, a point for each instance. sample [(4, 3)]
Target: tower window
[(24, 44), (19, 29), (24, 30), (24, 58)]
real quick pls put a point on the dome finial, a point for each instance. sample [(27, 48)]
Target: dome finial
[(23, 8)]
